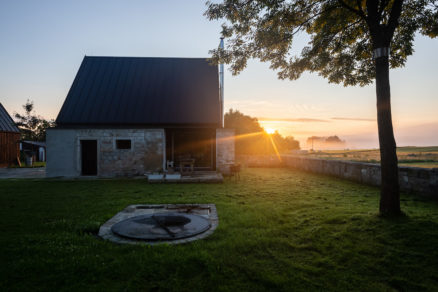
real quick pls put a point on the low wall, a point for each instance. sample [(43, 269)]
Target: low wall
[(422, 181)]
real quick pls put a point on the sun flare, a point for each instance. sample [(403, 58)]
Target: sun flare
[(270, 130)]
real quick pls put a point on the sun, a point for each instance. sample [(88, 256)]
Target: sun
[(270, 130)]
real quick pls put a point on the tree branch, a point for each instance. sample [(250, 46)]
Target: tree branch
[(358, 12), (394, 16), (312, 17), (359, 6), (382, 7), (342, 30), (373, 19)]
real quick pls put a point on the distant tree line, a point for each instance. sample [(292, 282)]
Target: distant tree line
[(325, 142), (252, 139), (32, 127)]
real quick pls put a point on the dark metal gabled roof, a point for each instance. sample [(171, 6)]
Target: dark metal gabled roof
[(143, 91), (7, 124)]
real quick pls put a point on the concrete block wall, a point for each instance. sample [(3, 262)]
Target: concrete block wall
[(416, 180), (61, 153), (225, 152), (147, 153)]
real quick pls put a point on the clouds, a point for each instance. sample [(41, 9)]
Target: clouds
[(315, 120), (301, 120), (253, 107), (266, 110), (354, 119), (307, 108), (299, 112)]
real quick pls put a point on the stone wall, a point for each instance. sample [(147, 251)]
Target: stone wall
[(259, 160), (224, 150), (147, 153), (417, 180)]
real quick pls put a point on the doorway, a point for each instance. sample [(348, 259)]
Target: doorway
[(89, 157), (196, 144)]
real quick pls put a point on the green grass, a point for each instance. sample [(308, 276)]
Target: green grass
[(423, 164), (35, 164), (418, 149), (279, 230)]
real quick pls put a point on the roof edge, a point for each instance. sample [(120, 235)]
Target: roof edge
[(134, 126), (140, 57), (13, 125)]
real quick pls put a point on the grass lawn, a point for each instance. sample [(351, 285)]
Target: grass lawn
[(278, 230), (423, 164)]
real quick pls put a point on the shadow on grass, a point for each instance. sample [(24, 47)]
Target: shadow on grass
[(278, 230)]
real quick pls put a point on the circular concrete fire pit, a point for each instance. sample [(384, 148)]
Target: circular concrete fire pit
[(161, 226), (169, 223)]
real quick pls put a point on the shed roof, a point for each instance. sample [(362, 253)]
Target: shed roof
[(143, 91), (36, 143), (7, 124)]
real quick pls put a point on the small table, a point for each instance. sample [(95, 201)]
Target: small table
[(187, 166)]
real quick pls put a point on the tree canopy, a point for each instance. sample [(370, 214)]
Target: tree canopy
[(343, 34), (251, 138), (353, 42), (330, 142), (32, 126)]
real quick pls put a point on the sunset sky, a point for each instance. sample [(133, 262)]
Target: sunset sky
[(44, 42)]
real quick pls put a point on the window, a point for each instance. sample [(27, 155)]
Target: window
[(123, 144)]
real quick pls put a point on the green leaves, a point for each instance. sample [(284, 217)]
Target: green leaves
[(32, 127), (252, 139), (342, 34)]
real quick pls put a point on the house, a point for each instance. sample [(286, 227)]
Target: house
[(9, 139), (127, 116)]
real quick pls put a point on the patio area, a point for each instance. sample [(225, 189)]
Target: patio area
[(36, 172), (195, 177)]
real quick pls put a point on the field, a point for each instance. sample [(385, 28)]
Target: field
[(408, 156), (279, 230)]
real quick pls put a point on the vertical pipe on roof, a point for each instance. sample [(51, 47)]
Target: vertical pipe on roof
[(221, 83)]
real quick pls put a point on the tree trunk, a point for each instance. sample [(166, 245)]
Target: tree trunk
[(389, 194)]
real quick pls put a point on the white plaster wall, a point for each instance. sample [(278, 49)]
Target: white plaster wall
[(61, 153), (225, 152)]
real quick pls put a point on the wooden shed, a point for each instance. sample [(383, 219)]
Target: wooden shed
[(9, 139)]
